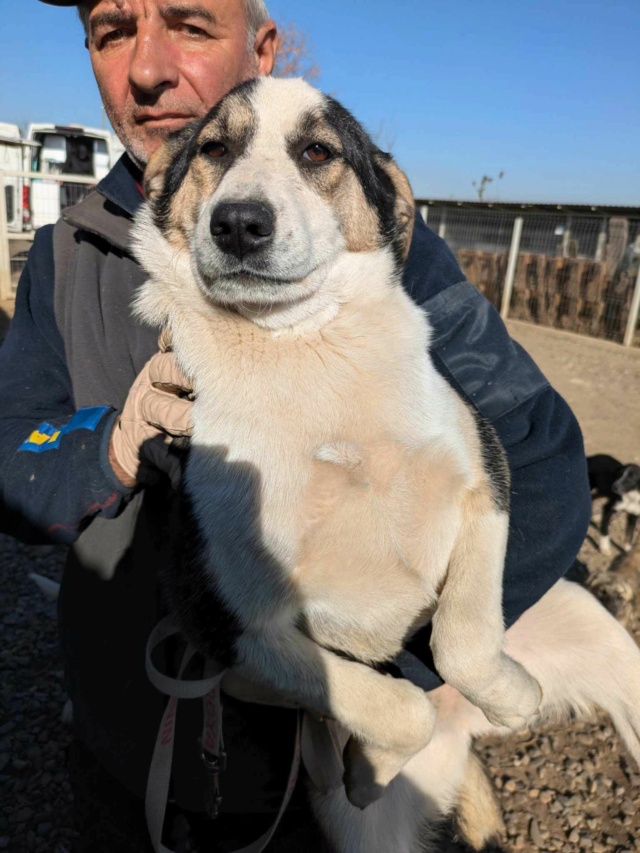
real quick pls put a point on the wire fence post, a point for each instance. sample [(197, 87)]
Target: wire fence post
[(511, 267), (442, 229), (602, 242), (632, 322), (566, 238), (5, 261)]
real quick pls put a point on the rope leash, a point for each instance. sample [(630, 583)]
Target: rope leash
[(213, 755)]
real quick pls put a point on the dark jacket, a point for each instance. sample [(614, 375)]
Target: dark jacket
[(71, 355)]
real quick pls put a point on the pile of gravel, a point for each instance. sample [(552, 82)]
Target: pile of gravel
[(567, 789)]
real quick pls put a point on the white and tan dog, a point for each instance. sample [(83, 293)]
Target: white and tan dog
[(339, 493)]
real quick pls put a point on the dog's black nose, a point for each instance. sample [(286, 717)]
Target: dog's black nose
[(240, 228)]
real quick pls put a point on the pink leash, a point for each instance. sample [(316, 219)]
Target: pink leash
[(213, 755)]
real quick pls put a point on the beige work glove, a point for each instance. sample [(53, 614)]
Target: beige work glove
[(157, 409)]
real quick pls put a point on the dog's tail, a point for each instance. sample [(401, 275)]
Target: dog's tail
[(583, 658)]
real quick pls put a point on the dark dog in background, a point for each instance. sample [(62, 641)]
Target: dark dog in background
[(620, 485)]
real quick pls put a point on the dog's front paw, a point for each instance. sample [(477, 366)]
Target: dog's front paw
[(367, 772), (370, 767), (515, 698)]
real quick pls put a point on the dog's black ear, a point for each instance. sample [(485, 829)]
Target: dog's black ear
[(165, 159), (385, 186), (156, 169), (404, 207)]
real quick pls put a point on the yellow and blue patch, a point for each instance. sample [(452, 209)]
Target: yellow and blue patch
[(48, 437)]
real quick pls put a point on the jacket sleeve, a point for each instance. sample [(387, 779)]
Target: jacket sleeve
[(54, 469), (550, 497)]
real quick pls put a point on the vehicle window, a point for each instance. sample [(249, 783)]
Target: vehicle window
[(79, 156)]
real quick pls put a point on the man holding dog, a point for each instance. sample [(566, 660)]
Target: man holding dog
[(90, 410)]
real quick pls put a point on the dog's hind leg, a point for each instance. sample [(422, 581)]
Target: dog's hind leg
[(394, 823), (582, 658)]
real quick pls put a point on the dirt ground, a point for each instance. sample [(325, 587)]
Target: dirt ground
[(599, 380)]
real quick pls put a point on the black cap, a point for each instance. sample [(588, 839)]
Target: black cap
[(61, 2)]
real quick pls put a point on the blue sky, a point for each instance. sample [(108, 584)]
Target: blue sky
[(548, 92)]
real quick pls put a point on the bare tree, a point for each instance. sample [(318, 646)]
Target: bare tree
[(295, 54), (482, 184)]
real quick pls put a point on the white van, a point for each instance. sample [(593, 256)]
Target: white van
[(14, 157), (70, 150), (50, 149)]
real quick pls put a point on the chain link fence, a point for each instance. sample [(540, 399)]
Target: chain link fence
[(578, 272)]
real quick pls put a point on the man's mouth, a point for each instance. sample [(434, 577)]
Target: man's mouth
[(168, 120)]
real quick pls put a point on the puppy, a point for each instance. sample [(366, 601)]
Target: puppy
[(338, 493), (620, 485)]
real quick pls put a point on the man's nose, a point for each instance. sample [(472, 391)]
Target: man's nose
[(151, 69), (239, 228)]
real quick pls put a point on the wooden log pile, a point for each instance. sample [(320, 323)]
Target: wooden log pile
[(577, 294), (487, 270), (567, 293)]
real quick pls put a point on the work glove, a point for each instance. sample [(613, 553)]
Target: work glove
[(157, 411)]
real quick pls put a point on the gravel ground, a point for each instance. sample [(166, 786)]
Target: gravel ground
[(571, 788), (35, 794), (568, 789)]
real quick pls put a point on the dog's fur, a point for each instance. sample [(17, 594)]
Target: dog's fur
[(620, 485), (339, 494)]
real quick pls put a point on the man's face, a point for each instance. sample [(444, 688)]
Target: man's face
[(162, 63)]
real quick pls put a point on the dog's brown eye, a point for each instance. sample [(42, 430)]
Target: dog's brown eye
[(317, 153), (214, 149)]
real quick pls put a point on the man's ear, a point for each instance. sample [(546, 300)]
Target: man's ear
[(265, 47), (405, 207)]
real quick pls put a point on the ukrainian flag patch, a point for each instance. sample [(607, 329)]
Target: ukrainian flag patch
[(48, 437)]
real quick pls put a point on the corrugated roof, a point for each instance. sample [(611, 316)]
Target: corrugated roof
[(536, 207)]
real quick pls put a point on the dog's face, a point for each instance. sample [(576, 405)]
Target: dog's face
[(272, 186), (628, 488)]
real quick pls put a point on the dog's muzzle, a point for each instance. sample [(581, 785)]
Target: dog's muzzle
[(241, 228)]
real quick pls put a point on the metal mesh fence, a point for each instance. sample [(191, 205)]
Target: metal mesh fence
[(574, 272), (29, 201), (18, 252), (48, 198)]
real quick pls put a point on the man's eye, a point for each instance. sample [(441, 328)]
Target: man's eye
[(192, 30), (110, 37), (215, 150), (317, 153)]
